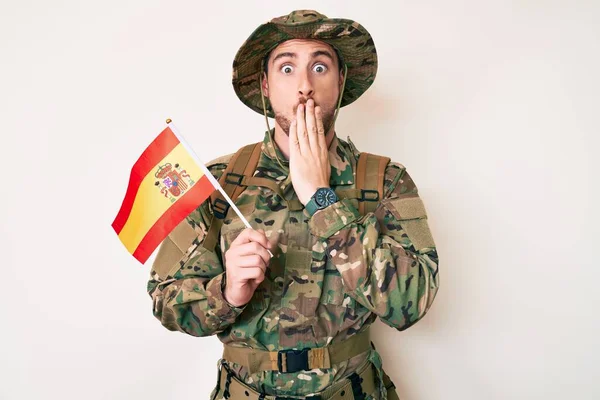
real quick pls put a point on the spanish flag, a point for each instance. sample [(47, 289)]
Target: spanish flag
[(166, 184)]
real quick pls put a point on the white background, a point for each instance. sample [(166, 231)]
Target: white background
[(492, 106)]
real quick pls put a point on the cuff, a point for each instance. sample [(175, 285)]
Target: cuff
[(329, 220), (219, 307)]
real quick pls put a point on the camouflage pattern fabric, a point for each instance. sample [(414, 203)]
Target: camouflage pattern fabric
[(331, 275), (352, 41)]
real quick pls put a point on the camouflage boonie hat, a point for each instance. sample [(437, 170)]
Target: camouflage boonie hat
[(351, 40)]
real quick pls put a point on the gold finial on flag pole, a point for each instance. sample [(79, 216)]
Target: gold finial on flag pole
[(168, 120)]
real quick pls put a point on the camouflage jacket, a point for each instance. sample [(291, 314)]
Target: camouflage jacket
[(331, 275)]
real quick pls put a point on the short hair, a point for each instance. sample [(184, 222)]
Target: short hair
[(340, 61)]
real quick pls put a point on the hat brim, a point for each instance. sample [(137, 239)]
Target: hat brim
[(352, 41)]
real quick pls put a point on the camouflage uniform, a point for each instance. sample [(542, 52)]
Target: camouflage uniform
[(345, 271), (331, 275)]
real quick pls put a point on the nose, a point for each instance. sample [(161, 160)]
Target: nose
[(305, 87)]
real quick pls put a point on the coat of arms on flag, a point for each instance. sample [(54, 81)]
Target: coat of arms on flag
[(172, 180)]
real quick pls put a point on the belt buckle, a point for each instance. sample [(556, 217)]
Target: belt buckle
[(295, 360)]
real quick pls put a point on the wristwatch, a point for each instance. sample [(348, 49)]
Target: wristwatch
[(322, 198)]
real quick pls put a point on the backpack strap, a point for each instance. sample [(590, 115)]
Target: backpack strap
[(370, 173), (243, 163)]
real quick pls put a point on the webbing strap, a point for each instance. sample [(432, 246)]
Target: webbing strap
[(241, 163), (374, 178), (360, 178), (324, 357), (363, 382), (370, 172), (348, 193)]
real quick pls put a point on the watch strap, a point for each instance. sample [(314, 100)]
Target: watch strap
[(311, 206)]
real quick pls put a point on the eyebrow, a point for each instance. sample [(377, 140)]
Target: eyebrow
[(313, 55)]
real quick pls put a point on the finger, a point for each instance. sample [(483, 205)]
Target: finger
[(301, 130), (248, 274), (241, 238), (311, 126), (262, 232), (269, 245), (253, 248), (249, 262), (294, 144), (320, 129), (260, 237), (251, 235)]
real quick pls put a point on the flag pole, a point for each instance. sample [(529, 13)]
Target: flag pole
[(208, 174)]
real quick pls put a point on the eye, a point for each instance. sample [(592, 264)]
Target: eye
[(320, 68), (287, 69)]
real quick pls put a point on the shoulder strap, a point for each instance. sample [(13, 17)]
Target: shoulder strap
[(370, 173), (243, 163)]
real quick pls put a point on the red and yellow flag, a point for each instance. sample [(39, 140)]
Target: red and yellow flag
[(166, 184)]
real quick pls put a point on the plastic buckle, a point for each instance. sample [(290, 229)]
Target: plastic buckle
[(365, 195), (220, 208), (239, 178), (357, 389), (296, 360)]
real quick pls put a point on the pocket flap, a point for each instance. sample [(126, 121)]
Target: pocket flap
[(405, 208), (411, 213)]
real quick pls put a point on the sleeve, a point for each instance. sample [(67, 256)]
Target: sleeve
[(187, 281), (387, 259)]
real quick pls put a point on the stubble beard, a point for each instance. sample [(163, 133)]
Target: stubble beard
[(285, 123)]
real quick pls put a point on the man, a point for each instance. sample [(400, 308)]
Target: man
[(292, 299)]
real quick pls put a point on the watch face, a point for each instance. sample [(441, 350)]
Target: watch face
[(325, 197)]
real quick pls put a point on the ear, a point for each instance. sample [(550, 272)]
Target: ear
[(265, 85), (341, 80)]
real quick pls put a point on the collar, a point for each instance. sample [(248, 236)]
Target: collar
[(339, 159)]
